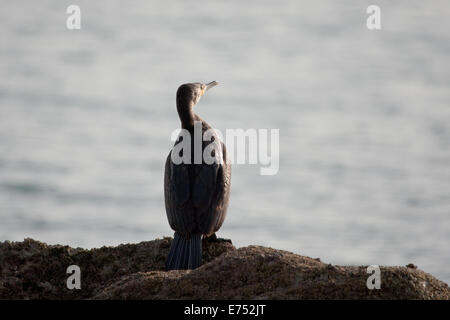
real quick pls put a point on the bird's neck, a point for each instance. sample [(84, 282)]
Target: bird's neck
[(186, 113)]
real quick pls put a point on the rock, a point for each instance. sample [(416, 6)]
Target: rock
[(35, 270)]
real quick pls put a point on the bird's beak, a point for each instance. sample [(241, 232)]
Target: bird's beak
[(210, 85)]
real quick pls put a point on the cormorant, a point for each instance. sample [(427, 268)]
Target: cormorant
[(196, 195)]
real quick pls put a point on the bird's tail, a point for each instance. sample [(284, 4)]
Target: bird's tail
[(185, 252)]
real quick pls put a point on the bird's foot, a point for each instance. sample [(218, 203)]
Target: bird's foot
[(214, 238)]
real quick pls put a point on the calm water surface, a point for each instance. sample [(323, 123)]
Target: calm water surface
[(86, 118)]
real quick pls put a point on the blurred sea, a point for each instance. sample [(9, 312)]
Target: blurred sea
[(86, 118)]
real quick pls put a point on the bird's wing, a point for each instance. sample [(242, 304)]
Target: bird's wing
[(179, 209), (220, 202), (210, 191)]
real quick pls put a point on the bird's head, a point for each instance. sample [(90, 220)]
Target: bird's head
[(189, 94)]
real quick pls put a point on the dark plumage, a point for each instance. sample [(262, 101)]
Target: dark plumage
[(196, 195)]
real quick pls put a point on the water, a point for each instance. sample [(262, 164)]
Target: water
[(86, 118)]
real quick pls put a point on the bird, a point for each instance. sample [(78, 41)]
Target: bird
[(196, 192)]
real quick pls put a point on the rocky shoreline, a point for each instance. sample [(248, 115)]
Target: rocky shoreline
[(34, 270)]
